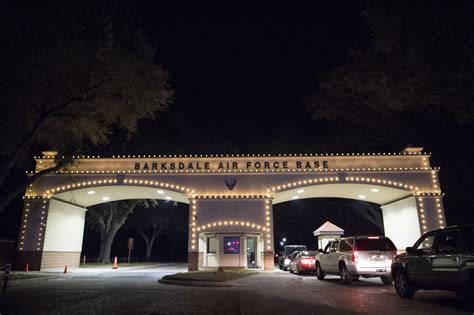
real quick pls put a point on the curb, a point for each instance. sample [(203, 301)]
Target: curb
[(194, 283)]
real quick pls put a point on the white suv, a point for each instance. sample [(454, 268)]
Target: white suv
[(352, 257)]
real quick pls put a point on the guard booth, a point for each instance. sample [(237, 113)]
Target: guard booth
[(326, 233)]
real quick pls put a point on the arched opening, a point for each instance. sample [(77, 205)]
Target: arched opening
[(396, 207), (66, 218)]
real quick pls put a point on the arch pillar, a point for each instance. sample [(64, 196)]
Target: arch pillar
[(401, 221), (431, 212), (193, 247), (32, 229), (64, 232), (268, 259), (407, 219)]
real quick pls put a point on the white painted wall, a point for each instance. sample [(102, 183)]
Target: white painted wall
[(64, 227), (247, 210), (401, 223)]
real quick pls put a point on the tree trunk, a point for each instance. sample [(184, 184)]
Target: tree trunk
[(149, 246), (109, 223), (106, 245)]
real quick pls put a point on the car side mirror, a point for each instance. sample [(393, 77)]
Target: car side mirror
[(410, 250)]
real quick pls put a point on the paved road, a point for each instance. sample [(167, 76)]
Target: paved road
[(135, 290)]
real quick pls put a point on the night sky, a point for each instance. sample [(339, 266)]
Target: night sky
[(239, 76)]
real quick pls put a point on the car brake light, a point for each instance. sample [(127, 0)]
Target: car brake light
[(355, 257), (373, 237)]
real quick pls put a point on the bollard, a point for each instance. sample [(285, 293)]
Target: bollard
[(6, 278)]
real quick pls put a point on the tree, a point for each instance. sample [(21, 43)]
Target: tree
[(165, 217), (70, 76), (411, 82), (150, 223), (108, 218)]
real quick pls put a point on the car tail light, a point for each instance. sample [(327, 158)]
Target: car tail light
[(307, 261), (355, 257), (373, 237)]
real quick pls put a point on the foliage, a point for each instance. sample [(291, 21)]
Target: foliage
[(162, 218), (71, 75), (411, 83), (150, 223)]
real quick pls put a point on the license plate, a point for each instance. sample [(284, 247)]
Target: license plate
[(377, 258)]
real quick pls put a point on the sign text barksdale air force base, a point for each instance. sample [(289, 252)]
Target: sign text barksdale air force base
[(231, 165)]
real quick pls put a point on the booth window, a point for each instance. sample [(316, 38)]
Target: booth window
[(211, 245), (232, 245)]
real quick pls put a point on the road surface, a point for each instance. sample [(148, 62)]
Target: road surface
[(136, 290)]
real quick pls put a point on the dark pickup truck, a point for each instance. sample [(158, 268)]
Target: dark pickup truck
[(440, 260)]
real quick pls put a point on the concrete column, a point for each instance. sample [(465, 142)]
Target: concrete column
[(63, 235), (193, 237), (31, 238), (431, 212), (268, 256), (401, 222), (193, 261)]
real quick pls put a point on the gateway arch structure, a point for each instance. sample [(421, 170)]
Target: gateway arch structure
[(230, 199)]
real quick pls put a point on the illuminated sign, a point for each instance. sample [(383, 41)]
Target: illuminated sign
[(231, 165), (232, 245)]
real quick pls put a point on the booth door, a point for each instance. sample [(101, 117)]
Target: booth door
[(252, 252)]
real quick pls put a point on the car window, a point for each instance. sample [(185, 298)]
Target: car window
[(446, 242), (426, 244), (290, 250), (376, 243), (345, 245), (293, 255), (334, 246), (327, 248)]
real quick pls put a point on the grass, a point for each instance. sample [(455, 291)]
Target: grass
[(213, 276), (25, 275)]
